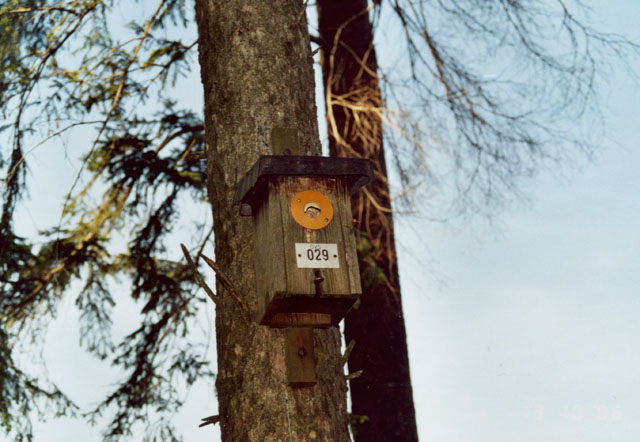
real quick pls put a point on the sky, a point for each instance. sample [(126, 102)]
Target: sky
[(526, 330), (530, 332)]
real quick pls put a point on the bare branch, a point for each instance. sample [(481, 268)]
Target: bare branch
[(210, 420), (347, 352), (53, 135), (226, 282), (198, 276)]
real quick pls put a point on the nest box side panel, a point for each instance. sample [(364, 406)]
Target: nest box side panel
[(269, 251), (346, 224)]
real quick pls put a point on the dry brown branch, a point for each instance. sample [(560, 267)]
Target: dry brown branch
[(375, 203), (333, 75)]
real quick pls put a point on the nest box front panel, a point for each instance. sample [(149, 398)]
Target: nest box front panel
[(306, 261)]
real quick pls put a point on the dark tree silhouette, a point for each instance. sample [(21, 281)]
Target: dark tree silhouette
[(354, 118)]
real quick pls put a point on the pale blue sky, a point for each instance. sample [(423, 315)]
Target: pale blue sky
[(527, 332), (531, 333)]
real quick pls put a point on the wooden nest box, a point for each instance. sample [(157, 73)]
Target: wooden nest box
[(305, 252)]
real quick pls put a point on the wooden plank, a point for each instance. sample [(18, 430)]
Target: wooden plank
[(301, 280), (319, 320), (269, 251), (349, 239), (284, 140), (299, 357)]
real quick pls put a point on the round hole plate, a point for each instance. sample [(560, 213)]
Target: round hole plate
[(302, 200)]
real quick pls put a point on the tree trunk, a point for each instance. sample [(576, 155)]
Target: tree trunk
[(382, 398), (257, 74)]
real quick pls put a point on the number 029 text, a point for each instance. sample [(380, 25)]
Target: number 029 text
[(316, 256)]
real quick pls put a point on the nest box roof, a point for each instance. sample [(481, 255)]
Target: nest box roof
[(356, 171)]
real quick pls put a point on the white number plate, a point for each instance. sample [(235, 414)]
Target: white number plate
[(317, 256)]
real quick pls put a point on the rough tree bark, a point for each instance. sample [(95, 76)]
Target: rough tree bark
[(257, 74), (382, 398)]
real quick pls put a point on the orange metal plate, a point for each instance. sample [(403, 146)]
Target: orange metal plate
[(311, 209)]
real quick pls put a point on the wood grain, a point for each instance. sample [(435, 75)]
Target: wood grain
[(282, 287)]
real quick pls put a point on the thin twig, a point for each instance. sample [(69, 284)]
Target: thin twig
[(206, 240), (41, 9), (302, 11), (53, 135), (197, 155), (116, 100), (347, 352), (331, 79), (210, 420), (224, 279), (354, 375), (198, 276)]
